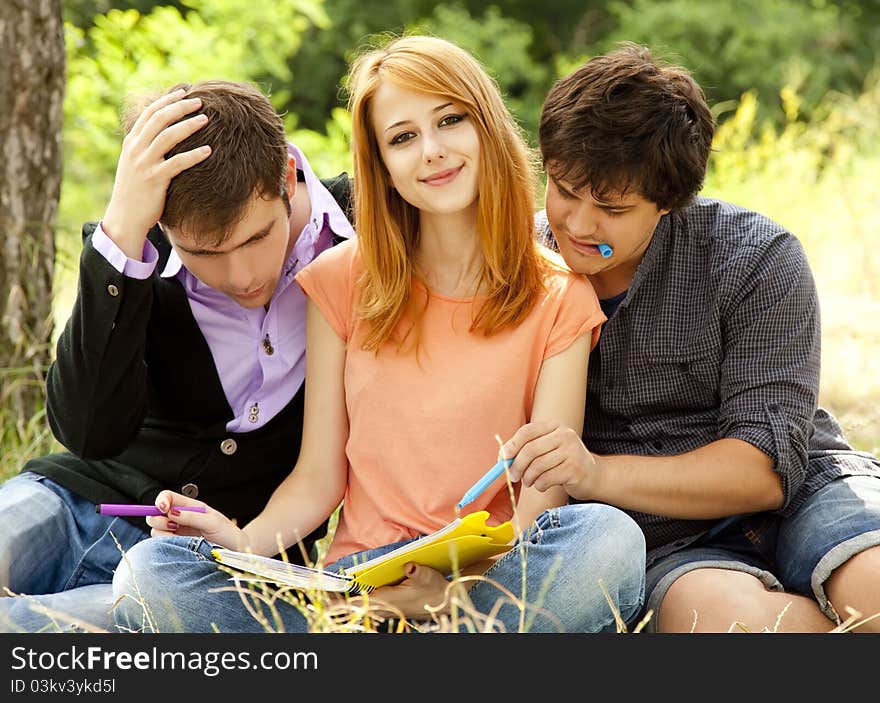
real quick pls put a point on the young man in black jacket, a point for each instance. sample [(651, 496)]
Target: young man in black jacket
[(701, 409), (182, 363)]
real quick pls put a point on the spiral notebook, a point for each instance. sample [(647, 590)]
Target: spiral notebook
[(462, 542)]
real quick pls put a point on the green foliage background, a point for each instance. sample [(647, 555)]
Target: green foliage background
[(794, 84), (298, 50)]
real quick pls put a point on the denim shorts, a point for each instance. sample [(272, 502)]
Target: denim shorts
[(795, 554)]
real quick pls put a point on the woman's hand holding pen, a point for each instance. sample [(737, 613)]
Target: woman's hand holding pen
[(548, 454), (213, 525)]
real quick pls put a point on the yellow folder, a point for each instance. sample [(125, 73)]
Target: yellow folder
[(462, 542), (459, 544)]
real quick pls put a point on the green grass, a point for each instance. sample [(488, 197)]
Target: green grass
[(19, 441)]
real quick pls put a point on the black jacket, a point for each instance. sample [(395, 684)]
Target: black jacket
[(134, 395)]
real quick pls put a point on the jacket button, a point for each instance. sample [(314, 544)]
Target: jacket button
[(190, 490), (112, 290), (228, 446)]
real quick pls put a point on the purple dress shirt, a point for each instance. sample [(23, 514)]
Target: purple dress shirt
[(258, 385)]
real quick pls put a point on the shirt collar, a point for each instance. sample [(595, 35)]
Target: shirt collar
[(662, 232), (325, 209), (172, 266), (323, 203)]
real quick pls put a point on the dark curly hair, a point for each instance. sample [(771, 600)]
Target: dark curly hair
[(626, 122)]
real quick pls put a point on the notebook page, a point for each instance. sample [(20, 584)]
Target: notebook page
[(282, 572)]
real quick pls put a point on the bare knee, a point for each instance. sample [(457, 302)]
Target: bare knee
[(852, 590), (711, 600)]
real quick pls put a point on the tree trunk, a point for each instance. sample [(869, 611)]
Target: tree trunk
[(32, 81)]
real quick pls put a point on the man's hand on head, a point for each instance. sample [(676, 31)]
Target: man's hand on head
[(143, 173)]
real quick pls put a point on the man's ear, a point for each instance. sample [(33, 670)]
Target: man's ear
[(290, 178)]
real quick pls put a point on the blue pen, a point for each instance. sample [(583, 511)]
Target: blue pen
[(605, 251), (474, 491)]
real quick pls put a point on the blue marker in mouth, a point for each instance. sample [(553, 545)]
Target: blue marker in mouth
[(605, 251)]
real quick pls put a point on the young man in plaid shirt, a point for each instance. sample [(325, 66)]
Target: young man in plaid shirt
[(701, 414)]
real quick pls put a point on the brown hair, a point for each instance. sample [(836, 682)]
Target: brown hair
[(388, 226), (248, 156), (626, 122)]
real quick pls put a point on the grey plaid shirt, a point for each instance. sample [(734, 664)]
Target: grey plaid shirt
[(718, 336)]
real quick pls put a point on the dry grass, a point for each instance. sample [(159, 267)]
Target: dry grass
[(342, 613)]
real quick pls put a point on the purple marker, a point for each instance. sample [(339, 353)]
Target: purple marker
[(124, 510)]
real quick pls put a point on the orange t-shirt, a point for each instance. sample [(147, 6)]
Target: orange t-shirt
[(422, 428)]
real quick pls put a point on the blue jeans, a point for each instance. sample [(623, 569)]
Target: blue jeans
[(54, 547), (795, 554), (173, 584)]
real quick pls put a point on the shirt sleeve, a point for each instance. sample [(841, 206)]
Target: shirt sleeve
[(579, 313), (132, 268), (329, 282), (770, 373)]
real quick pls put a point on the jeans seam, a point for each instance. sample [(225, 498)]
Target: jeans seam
[(77, 572), (531, 536), (194, 545)]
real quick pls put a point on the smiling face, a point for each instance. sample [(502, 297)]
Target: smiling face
[(247, 265), (430, 148), (580, 222)]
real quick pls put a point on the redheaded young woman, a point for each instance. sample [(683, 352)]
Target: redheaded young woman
[(441, 328)]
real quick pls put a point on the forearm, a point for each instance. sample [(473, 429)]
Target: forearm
[(726, 477), (295, 510), (558, 402), (532, 503)]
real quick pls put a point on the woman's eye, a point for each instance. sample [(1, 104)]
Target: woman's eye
[(451, 120), (401, 138)]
